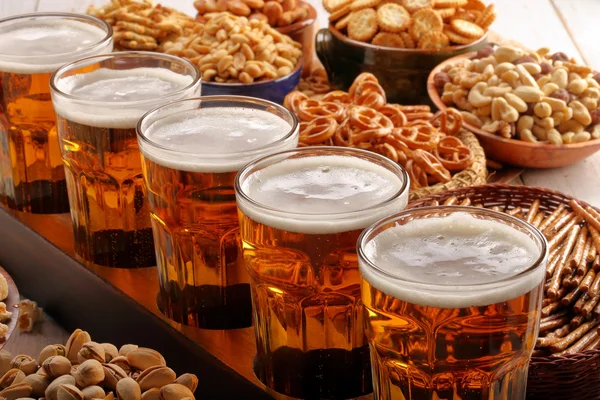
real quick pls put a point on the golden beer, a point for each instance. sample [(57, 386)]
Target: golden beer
[(452, 298), (191, 152), (32, 177), (301, 213), (98, 103)]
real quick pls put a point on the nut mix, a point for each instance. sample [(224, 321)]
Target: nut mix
[(536, 97), (422, 24), (277, 13), (86, 370), (423, 143), (231, 49), (571, 307)]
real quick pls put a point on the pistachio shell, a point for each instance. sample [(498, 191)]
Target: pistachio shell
[(175, 391), (113, 374), (78, 338), (56, 366), (110, 351), (5, 359), (151, 394), (156, 377), (93, 392), (110, 396), (89, 373), (51, 350), (25, 363), (38, 384), (128, 389), (69, 392), (122, 362), (91, 351), (188, 380), (11, 377), (126, 348), (16, 391), (52, 389), (143, 358)]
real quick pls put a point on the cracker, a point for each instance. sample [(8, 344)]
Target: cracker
[(433, 40), (333, 5), (456, 38), (343, 22), (387, 39), (466, 28), (445, 13), (334, 16), (360, 4), (424, 21), (449, 3), (487, 17), (475, 5), (409, 42), (363, 25), (415, 5), (393, 18), (468, 15)]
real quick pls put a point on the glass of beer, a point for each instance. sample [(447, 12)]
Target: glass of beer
[(191, 152), (98, 102), (32, 47), (452, 299), (301, 213)]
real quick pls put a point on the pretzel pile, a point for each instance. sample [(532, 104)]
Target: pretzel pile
[(316, 85), (423, 143), (278, 13), (422, 24)]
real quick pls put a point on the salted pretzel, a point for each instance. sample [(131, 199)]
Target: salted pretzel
[(453, 154), (417, 175), (338, 96), (432, 166), (310, 109), (344, 134), (318, 130), (318, 84), (364, 77), (395, 114), (292, 101), (370, 121), (418, 137), (387, 150), (448, 121)]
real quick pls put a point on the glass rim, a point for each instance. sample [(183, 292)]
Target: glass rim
[(367, 235), (122, 54), (82, 17), (243, 99), (250, 168)]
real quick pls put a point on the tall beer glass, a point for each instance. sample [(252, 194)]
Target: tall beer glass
[(99, 101), (301, 213), (191, 152), (452, 298), (33, 46)]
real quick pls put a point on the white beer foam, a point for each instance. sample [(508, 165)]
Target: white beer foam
[(41, 45), (458, 249), (322, 194), (216, 139), (111, 87)]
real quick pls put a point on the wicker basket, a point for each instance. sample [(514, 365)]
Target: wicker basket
[(476, 174), (574, 377)]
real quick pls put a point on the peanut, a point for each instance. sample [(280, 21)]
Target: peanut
[(577, 86), (528, 94), (516, 102), (525, 122), (527, 136), (554, 137), (542, 110), (560, 77), (580, 113), (581, 137), (568, 137)]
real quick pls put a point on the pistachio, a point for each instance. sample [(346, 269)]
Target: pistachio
[(16, 391), (5, 359), (77, 339), (143, 358), (110, 396), (52, 389), (69, 392), (11, 377), (175, 391), (93, 392), (91, 351), (156, 377), (126, 348), (25, 363), (56, 366), (134, 375), (110, 351), (38, 384), (128, 389), (188, 380), (113, 374), (74, 369), (51, 350), (151, 394), (89, 373), (122, 362)]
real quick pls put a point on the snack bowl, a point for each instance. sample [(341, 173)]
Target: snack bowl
[(401, 72), (303, 32), (273, 90), (516, 152)]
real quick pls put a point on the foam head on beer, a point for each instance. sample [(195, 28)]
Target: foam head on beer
[(47, 44), (215, 139), (453, 261), (323, 194)]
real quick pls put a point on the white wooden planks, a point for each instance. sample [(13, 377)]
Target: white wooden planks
[(581, 19), (186, 6), (13, 7)]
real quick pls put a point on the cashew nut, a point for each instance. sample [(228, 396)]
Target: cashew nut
[(556, 104), (525, 122), (539, 132), (497, 91), (543, 80), (568, 137), (549, 88), (516, 102), (476, 96), (526, 77), (504, 67), (554, 137), (580, 113), (511, 77), (508, 54), (501, 110), (532, 68), (570, 126), (528, 94), (471, 119), (581, 137), (546, 123), (527, 136)]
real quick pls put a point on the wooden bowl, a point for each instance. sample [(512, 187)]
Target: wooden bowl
[(303, 32), (517, 152)]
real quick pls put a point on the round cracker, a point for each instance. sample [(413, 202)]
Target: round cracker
[(387, 39), (360, 4), (414, 5), (423, 21), (433, 40), (445, 13), (334, 5), (409, 42), (342, 23), (466, 28), (449, 3), (456, 38), (468, 15), (475, 5), (363, 25), (393, 18), (487, 17), (334, 16)]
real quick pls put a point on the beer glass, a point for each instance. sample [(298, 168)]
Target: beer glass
[(32, 177), (98, 102), (301, 213), (452, 299), (191, 152)]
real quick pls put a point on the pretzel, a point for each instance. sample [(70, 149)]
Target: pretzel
[(365, 76), (453, 154), (431, 165), (404, 153), (370, 120), (395, 114), (338, 96), (448, 121), (310, 109), (418, 137), (292, 101), (417, 175), (318, 130), (387, 150), (343, 134)]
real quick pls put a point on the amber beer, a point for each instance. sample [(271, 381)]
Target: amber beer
[(191, 152), (301, 213), (32, 177), (98, 102), (452, 299)]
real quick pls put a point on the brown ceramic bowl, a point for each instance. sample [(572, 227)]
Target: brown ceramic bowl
[(303, 32), (401, 72), (517, 152)]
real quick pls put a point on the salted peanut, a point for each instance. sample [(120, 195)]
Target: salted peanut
[(546, 123), (511, 77), (516, 102), (93, 392), (593, 83), (494, 81), (549, 88), (558, 117), (527, 136), (525, 122), (592, 92), (577, 86), (542, 110), (554, 137), (568, 137), (38, 383), (543, 80), (128, 389), (570, 126), (589, 103), (580, 113), (497, 91), (484, 111), (539, 132), (470, 119), (555, 104), (56, 366), (52, 389), (532, 68), (581, 137), (504, 67), (528, 94), (560, 77), (508, 54)]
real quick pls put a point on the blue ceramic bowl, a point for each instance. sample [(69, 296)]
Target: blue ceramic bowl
[(274, 90)]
